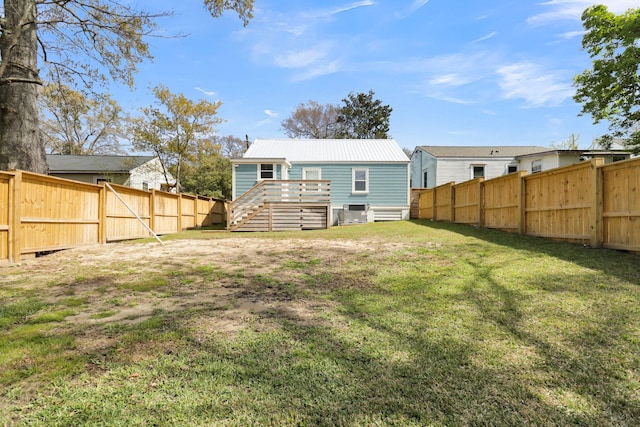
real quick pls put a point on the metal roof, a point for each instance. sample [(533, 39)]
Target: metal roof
[(328, 150), (482, 151), (79, 164)]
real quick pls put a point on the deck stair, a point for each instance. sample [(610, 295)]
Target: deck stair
[(279, 205)]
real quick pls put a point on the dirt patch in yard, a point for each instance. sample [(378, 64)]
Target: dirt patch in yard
[(223, 284)]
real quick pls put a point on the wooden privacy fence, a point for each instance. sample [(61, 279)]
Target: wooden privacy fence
[(40, 213), (588, 203)]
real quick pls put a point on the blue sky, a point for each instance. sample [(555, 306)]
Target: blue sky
[(455, 72)]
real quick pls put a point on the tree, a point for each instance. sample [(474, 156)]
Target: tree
[(570, 143), (312, 120), (173, 128), (231, 147), (79, 42), (611, 89), (362, 117), (73, 124), (209, 173)]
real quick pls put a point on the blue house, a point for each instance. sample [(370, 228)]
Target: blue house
[(298, 184)]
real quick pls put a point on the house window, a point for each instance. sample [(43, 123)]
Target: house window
[(267, 171), (478, 171), (512, 169), (425, 177), (101, 180), (536, 166), (360, 181), (312, 174), (145, 186)]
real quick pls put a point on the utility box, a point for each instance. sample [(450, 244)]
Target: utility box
[(353, 214)]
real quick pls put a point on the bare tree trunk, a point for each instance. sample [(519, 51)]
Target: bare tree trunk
[(21, 146)]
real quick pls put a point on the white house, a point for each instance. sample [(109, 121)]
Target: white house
[(551, 159), (432, 166), (141, 172)]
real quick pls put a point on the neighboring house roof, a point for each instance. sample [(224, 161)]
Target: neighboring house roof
[(61, 163), (481, 151), (590, 153), (327, 150)]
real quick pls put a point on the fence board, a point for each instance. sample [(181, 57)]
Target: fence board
[(621, 205), (426, 204), (166, 211), (502, 202), (4, 216), (467, 200), (558, 203), (444, 202), (57, 213)]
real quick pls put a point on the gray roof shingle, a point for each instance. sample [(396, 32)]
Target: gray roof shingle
[(482, 151), (86, 164)]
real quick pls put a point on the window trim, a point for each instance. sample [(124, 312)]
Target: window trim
[(536, 166), (473, 170), (273, 171), (353, 181)]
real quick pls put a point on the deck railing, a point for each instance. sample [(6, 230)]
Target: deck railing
[(301, 192)]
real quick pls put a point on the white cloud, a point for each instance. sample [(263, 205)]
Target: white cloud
[(417, 4), (536, 86), (271, 113), (452, 99), (351, 7), (487, 37), (206, 92), (570, 35), (572, 9), (449, 80)]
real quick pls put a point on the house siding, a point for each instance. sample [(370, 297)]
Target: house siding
[(385, 183), (246, 176), (461, 170)]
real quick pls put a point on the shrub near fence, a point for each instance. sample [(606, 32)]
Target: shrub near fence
[(587, 203), (39, 213)]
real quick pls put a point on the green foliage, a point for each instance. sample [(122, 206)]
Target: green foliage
[(611, 89), (362, 117), (209, 176), (74, 124), (174, 129)]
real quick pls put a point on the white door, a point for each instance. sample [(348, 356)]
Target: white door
[(312, 174)]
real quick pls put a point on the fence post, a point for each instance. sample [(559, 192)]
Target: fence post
[(15, 216), (522, 203), (179, 212), (481, 202), (452, 193), (596, 219), (152, 210), (102, 215)]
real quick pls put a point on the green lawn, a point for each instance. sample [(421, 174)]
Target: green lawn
[(406, 323)]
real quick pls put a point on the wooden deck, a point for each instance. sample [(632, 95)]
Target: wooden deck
[(281, 205)]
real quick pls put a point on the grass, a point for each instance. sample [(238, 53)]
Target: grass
[(409, 323)]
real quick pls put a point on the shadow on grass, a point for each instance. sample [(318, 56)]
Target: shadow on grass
[(416, 350), (621, 264)]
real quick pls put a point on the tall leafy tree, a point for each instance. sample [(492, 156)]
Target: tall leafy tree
[(611, 89), (173, 128), (71, 123), (312, 120), (79, 41), (363, 117), (208, 173)]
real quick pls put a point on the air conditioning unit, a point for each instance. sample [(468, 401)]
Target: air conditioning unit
[(353, 214)]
